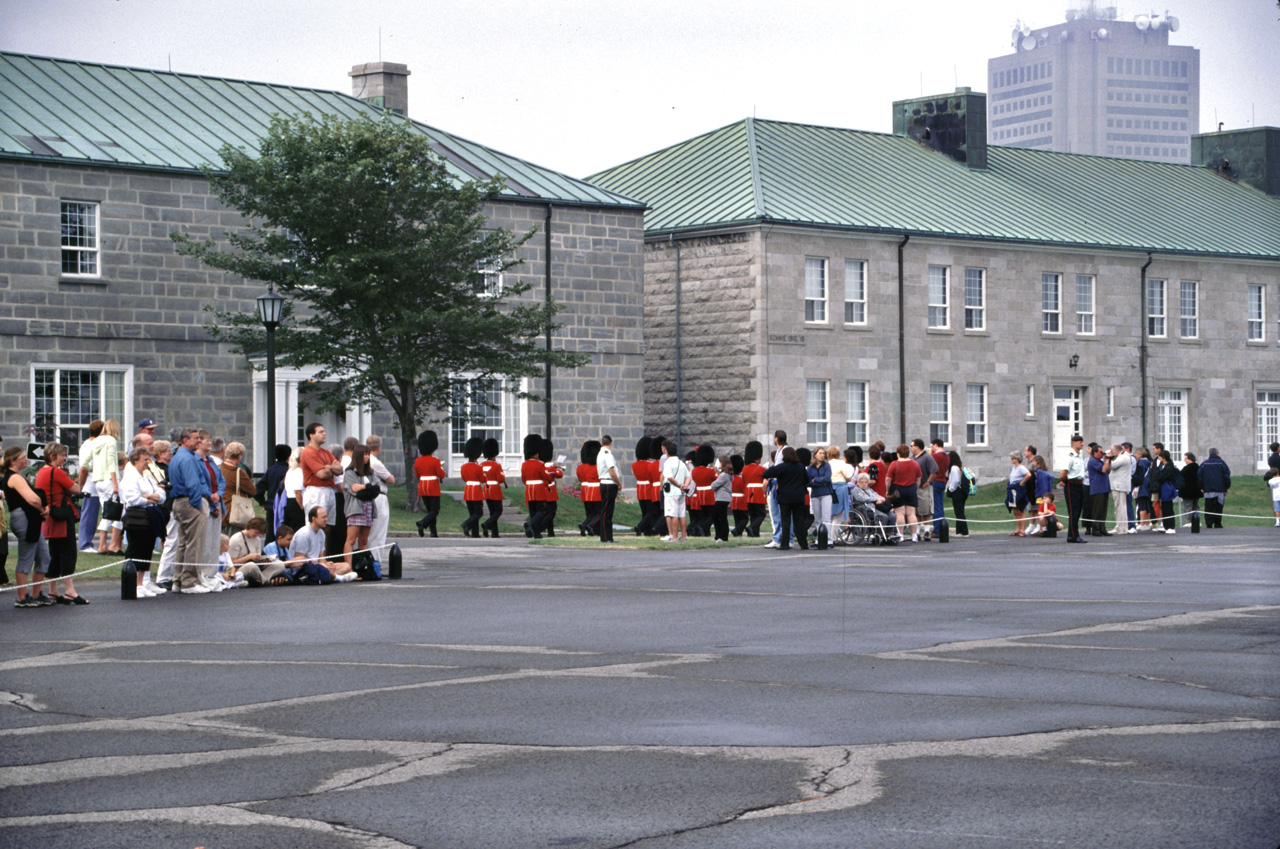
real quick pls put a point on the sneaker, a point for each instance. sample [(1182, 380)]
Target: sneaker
[(772, 544), (153, 588), (165, 585), (1132, 530), (1187, 525), (1171, 531), (89, 550), (43, 600), (915, 537), (143, 592), (666, 538), (242, 582), (347, 578), (1033, 531), (195, 589), (25, 602)]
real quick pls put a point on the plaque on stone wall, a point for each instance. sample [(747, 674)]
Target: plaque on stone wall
[(786, 338)]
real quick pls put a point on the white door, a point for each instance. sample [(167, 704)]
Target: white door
[(1066, 421)]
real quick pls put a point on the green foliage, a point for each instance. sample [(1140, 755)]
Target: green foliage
[(361, 226)]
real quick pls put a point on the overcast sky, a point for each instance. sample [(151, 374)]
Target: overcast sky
[(581, 85)]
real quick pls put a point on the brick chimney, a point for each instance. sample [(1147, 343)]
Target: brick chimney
[(954, 124), (383, 84)]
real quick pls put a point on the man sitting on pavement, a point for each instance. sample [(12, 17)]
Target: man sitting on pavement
[(307, 563)]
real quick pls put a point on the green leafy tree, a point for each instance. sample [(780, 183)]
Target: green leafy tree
[(377, 247)]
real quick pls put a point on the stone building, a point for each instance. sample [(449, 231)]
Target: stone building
[(100, 318), (849, 286)]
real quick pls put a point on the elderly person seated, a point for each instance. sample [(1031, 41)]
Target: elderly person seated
[(871, 503)]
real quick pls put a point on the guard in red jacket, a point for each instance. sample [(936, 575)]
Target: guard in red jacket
[(753, 480), (495, 479), (429, 472), (589, 483), (553, 472), (534, 475), (703, 476), (738, 503), (644, 489), (472, 487)]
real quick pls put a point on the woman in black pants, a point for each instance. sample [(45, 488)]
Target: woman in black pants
[(958, 489), (793, 482), (722, 487)]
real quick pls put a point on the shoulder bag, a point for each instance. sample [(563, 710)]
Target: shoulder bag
[(66, 511), (241, 505)]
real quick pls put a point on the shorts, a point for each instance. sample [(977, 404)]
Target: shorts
[(320, 496), (673, 507), (909, 496), (1142, 504)]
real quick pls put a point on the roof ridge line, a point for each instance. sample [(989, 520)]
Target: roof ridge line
[(757, 187)]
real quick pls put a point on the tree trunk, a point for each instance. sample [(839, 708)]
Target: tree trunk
[(409, 446)]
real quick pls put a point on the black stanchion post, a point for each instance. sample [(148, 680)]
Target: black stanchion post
[(128, 581), (1195, 522), (944, 531), (394, 562)]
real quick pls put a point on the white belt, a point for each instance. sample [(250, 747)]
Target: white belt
[(429, 478), (704, 489), (755, 484), (586, 484), (473, 483), (535, 483)]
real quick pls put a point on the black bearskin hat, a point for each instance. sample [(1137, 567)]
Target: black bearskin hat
[(491, 448), (546, 451), (754, 451), (655, 447), (642, 448), (532, 445), (590, 452), (805, 456), (473, 448), (705, 455), (428, 442), (737, 463)]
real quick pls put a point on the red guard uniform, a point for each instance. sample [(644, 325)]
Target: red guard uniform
[(429, 473), (552, 473), (472, 481), (533, 474), (589, 480), (738, 501), (494, 479), (753, 479), (644, 489)]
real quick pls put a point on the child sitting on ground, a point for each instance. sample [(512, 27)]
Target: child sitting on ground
[(228, 576)]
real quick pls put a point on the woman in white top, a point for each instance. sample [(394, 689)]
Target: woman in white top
[(842, 475), (294, 516), (106, 464), (138, 490)]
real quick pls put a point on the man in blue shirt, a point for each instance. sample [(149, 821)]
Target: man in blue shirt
[(191, 490), (1099, 470)]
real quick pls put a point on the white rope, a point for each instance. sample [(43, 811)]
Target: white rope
[(1062, 515)]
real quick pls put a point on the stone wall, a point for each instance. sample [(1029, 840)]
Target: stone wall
[(718, 327), (147, 310)]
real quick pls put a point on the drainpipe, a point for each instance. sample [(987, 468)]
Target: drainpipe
[(902, 344), (1142, 349), (546, 262), (679, 387)]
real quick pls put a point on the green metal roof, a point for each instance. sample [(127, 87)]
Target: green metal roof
[(756, 171), (57, 110)]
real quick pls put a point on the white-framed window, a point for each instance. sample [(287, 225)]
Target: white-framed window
[(487, 408), (1111, 402), (940, 412), (1155, 309), (816, 407), (855, 291), (80, 239), (975, 299), (855, 429), (1085, 305), (939, 296), (65, 398), (1171, 421), (1268, 413), (1050, 303), (1031, 401), (815, 289), (1189, 309), (486, 280), (975, 397), (1257, 309)]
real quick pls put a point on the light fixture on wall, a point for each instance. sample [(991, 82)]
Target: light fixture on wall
[(1075, 360), (270, 311)]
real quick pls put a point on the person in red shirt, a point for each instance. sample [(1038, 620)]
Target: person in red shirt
[(938, 481), (877, 471), (640, 471), (57, 487), (658, 524), (738, 502), (534, 475), (589, 485), (321, 474), (495, 479), (903, 476), (472, 487), (753, 480), (553, 473), (429, 472)]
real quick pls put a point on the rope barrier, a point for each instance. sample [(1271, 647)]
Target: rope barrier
[(78, 574), (920, 519)]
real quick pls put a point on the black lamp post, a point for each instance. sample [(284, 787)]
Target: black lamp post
[(270, 306)]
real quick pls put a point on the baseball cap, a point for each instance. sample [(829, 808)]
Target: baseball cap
[(146, 423)]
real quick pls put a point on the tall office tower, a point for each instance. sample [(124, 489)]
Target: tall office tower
[(1096, 84)]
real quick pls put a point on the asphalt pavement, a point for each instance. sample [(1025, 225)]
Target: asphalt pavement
[(988, 692)]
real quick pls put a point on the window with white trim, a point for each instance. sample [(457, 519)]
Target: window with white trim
[(1050, 303), (1031, 401), (855, 428), (1189, 309), (975, 299), (1085, 305), (1111, 402), (487, 408), (855, 291), (1268, 413), (816, 412), (939, 292), (486, 280), (1171, 421), (1257, 309), (940, 412), (815, 289), (1155, 309), (79, 239), (975, 395), (66, 398)]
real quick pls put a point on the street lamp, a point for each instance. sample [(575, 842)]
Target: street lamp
[(270, 306)]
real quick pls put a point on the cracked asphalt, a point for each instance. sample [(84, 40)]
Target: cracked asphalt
[(990, 692)]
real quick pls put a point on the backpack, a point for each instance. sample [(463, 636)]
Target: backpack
[(1177, 478), (971, 478), (1138, 473)]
